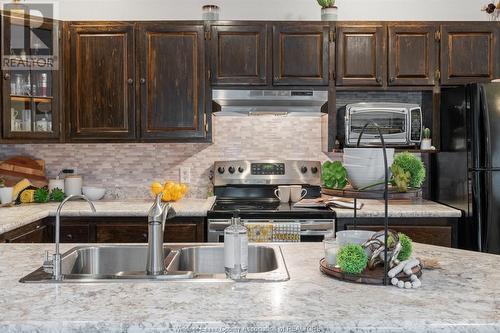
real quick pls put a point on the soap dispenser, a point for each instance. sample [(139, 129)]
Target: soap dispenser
[(236, 249)]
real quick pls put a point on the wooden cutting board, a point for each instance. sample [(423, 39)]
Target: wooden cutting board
[(17, 168)]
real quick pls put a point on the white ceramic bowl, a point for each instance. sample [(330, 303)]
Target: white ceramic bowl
[(345, 237), (93, 193)]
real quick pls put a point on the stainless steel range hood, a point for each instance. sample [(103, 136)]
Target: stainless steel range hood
[(270, 102)]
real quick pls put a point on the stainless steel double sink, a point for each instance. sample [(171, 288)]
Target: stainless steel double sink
[(120, 263)]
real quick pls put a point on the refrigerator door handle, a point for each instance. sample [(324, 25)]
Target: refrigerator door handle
[(485, 115), (477, 197)]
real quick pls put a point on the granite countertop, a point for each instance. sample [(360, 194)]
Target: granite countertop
[(401, 208), (17, 216), (463, 296)]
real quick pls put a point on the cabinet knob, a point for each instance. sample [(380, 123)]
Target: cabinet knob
[(379, 79), (130, 81), (6, 76), (145, 236), (69, 236), (143, 80), (392, 79)]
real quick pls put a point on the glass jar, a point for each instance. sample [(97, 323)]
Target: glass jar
[(210, 12), (331, 248)]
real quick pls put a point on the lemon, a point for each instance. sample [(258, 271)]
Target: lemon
[(156, 188)]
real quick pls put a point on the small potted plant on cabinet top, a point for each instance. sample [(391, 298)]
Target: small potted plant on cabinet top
[(328, 10), (426, 143)]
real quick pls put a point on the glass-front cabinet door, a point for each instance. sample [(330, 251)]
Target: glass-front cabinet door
[(30, 77)]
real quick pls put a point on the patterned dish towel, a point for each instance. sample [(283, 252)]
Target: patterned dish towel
[(260, 232)]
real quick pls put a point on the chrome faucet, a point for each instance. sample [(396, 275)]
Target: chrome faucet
[(157, 216), (54, 266)]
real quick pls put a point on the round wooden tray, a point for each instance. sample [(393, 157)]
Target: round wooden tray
[(375, 276), (393, 194)]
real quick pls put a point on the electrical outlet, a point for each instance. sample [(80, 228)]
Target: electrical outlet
[(185, 175)]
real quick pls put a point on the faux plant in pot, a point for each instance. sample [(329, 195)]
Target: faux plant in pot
[(5, 193), (426, 143), (328, 10)]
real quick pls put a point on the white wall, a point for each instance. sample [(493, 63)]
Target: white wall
[(459, 10)]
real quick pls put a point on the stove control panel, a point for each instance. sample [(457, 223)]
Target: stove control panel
[(268, 168), (266, 172)]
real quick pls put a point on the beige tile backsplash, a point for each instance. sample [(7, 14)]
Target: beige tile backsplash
[(127, 169)]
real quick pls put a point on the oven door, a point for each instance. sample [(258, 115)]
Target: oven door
[(313, 230), (392, 123)]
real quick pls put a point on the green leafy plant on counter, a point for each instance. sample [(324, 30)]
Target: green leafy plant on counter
[(326, 3), (56, 195), (334, 175), (406, 247), (352, 259), (41, 195), (408, 163)]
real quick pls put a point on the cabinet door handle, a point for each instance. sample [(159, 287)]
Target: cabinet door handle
[(143, 80), (130, 81), (6, 76)]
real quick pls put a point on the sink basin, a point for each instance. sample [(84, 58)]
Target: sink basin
[(264, 262), (119, 263)]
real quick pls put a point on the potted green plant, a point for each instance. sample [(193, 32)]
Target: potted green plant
[(328, 10), (426, 143), (5, 193)]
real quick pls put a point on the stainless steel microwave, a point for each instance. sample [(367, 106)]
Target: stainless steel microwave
[(400, 123)]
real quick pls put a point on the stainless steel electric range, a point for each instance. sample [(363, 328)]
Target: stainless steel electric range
[(248, 186)]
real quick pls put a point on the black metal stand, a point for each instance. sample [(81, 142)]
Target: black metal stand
[(385, 193)]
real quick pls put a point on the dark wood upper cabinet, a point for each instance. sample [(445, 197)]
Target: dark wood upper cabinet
[(412, 54), (239, 55), (361, 55), (469, 53), (30, 79), (101, 82), (172, 80), (301, 54)]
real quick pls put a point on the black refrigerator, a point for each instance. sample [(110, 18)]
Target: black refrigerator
[(467, 169)]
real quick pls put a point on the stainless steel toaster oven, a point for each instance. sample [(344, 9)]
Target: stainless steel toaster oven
[(400, 123)]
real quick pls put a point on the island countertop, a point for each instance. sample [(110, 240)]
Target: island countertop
[(463, 296)]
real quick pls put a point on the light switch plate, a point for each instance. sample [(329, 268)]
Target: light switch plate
[(185, 175)]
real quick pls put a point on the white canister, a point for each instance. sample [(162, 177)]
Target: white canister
[(56, 183), (6, 195), (73, 185)]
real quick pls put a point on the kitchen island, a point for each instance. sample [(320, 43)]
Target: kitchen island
[(463, 296)]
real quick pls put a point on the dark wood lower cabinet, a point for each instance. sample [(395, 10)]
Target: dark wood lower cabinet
[(433, 231), (36, 232), (107, 230)]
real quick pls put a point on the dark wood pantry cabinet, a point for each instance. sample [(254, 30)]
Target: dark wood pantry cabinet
[(100, 98), (470, 52), (172, 80), (239, 54), (361, 55), (301, 54), (413, 54)]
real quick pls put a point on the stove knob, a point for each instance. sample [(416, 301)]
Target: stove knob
[(303, 169), (314, 170), (231, 169), (240, 169), (221, 170)]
